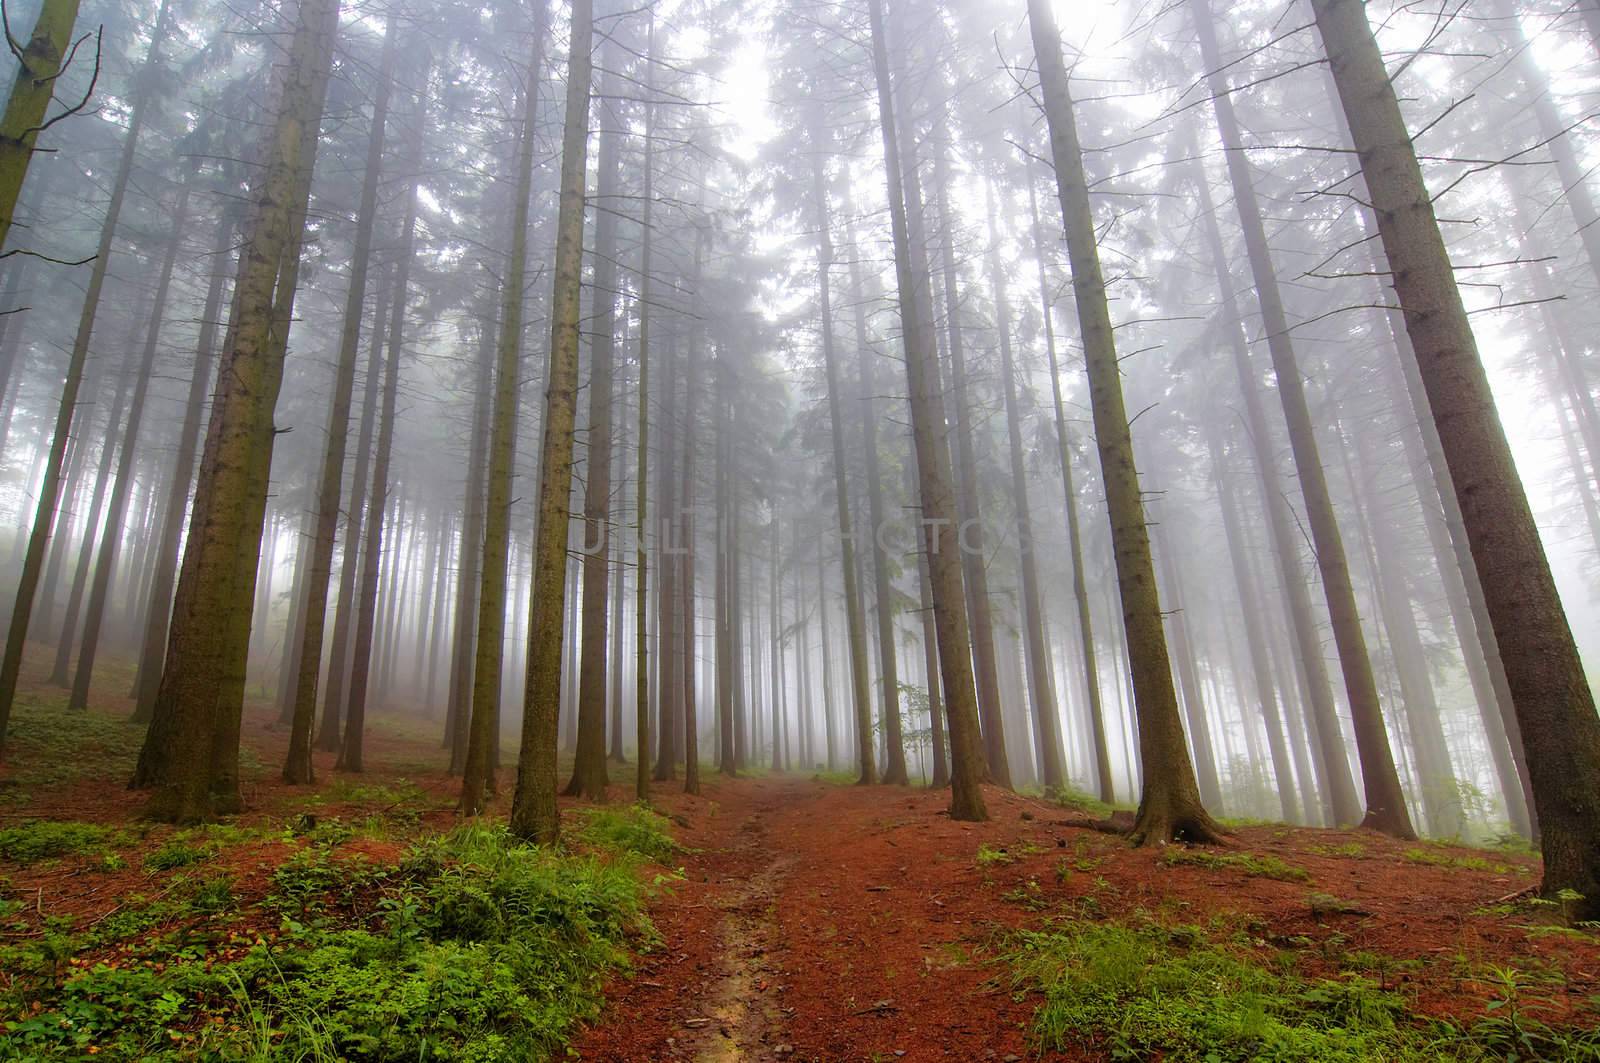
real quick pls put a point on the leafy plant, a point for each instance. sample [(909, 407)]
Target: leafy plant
[(634, 829)]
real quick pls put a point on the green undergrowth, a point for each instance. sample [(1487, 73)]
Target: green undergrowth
[(467, 946), (1145, 990), (46, 839), (1082, 802), (1253, 865), (634, 829), (49, 746)]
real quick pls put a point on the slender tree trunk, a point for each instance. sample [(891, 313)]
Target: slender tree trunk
[(589, 767), (335, 698), (722, 623), (970, 539), (938, 508), (1436, 788), (533, 810), (894, 769), (686, 579), (351, 749), (1205, 758), (1047, 732), (19, 127), (1255, 640), (1169, 805), (469, 571), (1339, 802), (99, 593), (669, 626), (1385, 811), (1080, 586), (477, 780), (1554, 704), (641, 601), (855, 629), (60, 675), (930, 667), (297, 767)]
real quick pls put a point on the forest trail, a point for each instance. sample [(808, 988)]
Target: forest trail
[(778, 947), (831, 923)]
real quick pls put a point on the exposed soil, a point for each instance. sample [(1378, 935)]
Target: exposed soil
[(826, 922)]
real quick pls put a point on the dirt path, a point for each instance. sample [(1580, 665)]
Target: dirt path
[(841, 924), (777, 948)]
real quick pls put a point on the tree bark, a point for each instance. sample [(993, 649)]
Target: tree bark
[(533, 810), (1169, 805), (1554, 704), (297, 767), (351, 749), (153, 647), (24, 118), (477, 779), (1385, 802), (186, 757), (111, 540), (938, 507), (589, 768), (1047, 732), (1080, 586)]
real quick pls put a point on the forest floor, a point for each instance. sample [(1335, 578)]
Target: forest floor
[(798, 917)]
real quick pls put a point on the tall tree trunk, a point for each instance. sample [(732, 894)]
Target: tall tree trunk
[(153, 647), (721, 576), (1255, 639), (1439, 797), (533, 810), (1554, 704), (351, 749), (477, 779), (686, 647), (938, 509), (894, 769), (297, 767), (335, 699), (99, 593), (20, 125), (59, 675), (1047, 732), (1205, 758), (669, 626), (1339, 802), (1169, 805), (930, 668), (855, 629), (589, 767), (970, 539), (1386, 810), (186, 756), (1080, 585), (641, 601), (468, 573)]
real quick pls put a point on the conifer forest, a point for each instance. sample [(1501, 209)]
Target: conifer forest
[(800, 530)]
